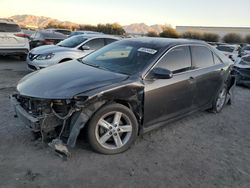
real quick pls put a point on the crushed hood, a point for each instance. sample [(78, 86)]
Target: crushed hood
[(63, 81)]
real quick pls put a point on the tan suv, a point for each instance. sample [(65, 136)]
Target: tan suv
[(12, 40)]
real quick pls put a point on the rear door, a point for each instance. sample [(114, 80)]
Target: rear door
[(168, 98), (208, 74), (9, 36)]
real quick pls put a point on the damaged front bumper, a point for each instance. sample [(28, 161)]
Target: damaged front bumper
[(31, 122), (58, 121), (44, 119)]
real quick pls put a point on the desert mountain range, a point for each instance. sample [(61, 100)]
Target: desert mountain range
[(41, 21)]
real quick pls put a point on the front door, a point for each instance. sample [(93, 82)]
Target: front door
[(167, 98)]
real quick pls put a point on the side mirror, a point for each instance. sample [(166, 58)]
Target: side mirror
[(85, 48), (161, 73)]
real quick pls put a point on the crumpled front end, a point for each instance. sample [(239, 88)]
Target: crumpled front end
[(48, 119), (56, 121), (42, 115)]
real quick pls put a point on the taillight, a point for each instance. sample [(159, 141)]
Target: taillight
[(22, 35)]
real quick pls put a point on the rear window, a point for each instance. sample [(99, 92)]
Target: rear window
[(55, 35), (225, 48), (202, 57), (4, 27), (65, 32)]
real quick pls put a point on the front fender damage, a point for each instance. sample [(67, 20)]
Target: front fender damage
[(78, 120), (78, 116)]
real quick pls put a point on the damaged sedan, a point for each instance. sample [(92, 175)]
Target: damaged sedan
[(123, 90)]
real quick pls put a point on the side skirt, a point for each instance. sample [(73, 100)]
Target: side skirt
[(163, 123)]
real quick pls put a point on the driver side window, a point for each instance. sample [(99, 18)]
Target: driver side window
[(177, 60), (95, 44)]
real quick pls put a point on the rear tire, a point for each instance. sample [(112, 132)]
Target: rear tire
[(112, 129), (220, 100)]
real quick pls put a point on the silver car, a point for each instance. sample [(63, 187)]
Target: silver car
[(71, 48)]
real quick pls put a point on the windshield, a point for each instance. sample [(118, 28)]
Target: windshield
[(122, 58), (72, 42), (225, 48)]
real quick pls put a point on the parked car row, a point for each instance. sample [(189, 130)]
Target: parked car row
[(234, 52), (17, 41), (231, 51)]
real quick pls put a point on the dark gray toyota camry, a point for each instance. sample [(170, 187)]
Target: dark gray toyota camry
[(123, 90)]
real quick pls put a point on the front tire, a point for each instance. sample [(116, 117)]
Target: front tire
[(112, 129)]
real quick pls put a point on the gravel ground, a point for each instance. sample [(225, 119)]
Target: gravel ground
[(201, 150)]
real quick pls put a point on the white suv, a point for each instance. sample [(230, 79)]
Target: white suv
[(12, 40)]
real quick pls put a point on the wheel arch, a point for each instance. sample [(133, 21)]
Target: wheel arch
[(130, 95), (65, 59)]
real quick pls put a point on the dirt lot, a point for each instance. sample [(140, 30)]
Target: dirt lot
[(202, 150)]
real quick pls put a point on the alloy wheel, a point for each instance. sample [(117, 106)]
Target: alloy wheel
[(113, 130), (221, 99)]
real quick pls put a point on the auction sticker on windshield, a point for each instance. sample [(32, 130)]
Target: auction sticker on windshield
[(147, 50)]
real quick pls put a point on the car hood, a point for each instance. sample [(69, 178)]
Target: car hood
[(227, 53), (242, 66), (64, 81), (50, 49)]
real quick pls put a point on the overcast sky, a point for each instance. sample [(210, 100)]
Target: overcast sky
[(174, 12)]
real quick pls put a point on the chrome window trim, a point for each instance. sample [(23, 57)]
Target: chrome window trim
[(176, 46)]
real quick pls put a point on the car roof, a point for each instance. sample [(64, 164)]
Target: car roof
[(54, 29), (7, 21), (159, 42), (230, 45), (83, 31), (51, 35), (96, 35)]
